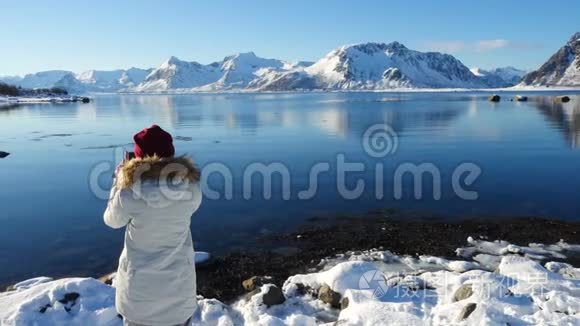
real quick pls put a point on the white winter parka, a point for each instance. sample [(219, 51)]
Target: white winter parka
[(154, 198)]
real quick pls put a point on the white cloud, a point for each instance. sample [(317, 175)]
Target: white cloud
[(454, 46), (490, 45), (445, 46)]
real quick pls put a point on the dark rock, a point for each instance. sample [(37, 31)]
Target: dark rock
[(327, 295), (494, 98), (521, 98), (44, 308), (273, 296), (344, 303), (302, 289), (69, 300), (255, 282), (85, 100), (463, 292), (3, 154), (562, 99), (466, 311), (108, 279), (69, 297)]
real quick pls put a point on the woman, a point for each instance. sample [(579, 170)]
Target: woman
[(154, 196)]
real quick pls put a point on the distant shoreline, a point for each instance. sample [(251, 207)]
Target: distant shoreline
[(315, 91), (10, 100)]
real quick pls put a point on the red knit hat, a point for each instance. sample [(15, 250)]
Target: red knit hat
[(153, 141)]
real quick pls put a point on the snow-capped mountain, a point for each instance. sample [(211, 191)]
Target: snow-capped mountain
[(233, 72), (238, 70), (562, 69), (88, 81), (355, 67), (383, 66), (43, 79), (500, 77), (103, 81), (178, 74), (11, 80)]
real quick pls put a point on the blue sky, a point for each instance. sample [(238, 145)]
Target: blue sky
[(80, 35)]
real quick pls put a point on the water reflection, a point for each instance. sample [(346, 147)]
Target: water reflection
[(565, 116)]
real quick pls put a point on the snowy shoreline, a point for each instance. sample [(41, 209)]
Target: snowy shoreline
[(491, 283), (8, 100), (414, 275)]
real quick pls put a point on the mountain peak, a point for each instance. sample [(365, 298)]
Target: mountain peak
[(250, 54), (241, 56), (397, 46), (373, 47), (562, 69), (575, 38), (173, 60)]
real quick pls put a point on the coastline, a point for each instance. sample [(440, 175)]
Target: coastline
[(524, 89), (323, 275), (322, 237), (319, 238), (10, 100)]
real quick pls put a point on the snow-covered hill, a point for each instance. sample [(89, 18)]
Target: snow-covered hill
[(383, 66), (237, 71), (88, 81), (43, 79), (177, 74), (562, 69), (103, 81), (500, 77)]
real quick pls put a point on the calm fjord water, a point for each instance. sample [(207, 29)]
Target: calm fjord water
[(51, 223)]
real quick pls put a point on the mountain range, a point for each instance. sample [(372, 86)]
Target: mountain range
[(366, 66)]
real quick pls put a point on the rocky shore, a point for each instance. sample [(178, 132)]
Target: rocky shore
[(358, 270), (301, 251)]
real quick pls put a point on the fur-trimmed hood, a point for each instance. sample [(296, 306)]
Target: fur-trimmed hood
[(157, 169)]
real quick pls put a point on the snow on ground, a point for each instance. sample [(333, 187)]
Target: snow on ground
[(493, 283)]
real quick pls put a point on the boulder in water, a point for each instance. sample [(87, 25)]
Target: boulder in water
[(562, 99), (3, 154), (494, 98)]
